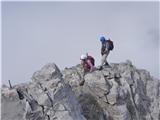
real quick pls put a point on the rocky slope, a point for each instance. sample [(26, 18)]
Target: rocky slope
[(118, 92)]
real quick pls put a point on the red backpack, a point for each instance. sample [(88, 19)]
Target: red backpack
[(86, 65), (91, 59)]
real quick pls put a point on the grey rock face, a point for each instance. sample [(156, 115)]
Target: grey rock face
[(47, 97), (118, 92)]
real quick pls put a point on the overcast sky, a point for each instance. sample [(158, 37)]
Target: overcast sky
[(37, 33)]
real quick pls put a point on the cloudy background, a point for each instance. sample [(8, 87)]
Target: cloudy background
[(36, 33)]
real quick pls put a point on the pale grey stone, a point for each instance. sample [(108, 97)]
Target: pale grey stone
[(118, 92)]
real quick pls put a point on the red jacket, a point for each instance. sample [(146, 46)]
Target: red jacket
[(88, 63)]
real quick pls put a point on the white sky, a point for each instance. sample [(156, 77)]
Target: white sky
[(36, 33)]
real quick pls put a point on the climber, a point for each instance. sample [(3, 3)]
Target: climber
[(107, 46), (87, 63)]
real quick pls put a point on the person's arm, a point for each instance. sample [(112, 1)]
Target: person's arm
[(102, 51), (105, 51)]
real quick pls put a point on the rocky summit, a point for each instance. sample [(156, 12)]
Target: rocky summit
[(117, 92)]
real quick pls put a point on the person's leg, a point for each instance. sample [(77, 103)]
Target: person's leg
[(103, 60), (107, 53)]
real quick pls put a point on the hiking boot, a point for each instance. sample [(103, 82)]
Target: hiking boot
[(106, 64), (99, 67)]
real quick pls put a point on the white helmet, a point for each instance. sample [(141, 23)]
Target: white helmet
[(83, 57)]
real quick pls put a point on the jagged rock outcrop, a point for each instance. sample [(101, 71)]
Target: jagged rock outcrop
[(118, 92), (47, 97)]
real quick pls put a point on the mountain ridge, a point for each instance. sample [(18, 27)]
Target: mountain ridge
[(118, 92)]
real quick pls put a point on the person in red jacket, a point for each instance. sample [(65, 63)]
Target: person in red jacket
[(87, 63)]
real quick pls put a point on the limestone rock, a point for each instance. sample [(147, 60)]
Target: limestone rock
[(46, 98), (118, 92)]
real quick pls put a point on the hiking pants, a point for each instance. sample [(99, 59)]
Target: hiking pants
[(104, 58)]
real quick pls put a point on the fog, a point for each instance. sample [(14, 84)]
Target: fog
[(37, 33)]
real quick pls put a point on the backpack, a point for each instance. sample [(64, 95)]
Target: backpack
[(111, 46), (91, 59)]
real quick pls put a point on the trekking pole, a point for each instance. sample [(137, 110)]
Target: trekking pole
[(10, 84)]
